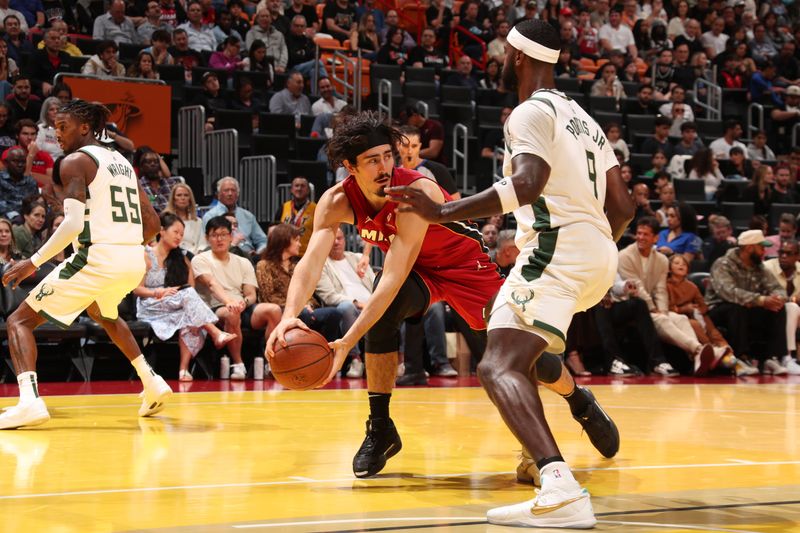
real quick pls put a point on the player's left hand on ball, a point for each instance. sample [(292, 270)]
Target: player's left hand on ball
[(415, 201), (340, 351), (18, 272)]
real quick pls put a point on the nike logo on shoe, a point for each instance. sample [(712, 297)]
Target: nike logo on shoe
[(538, 510)]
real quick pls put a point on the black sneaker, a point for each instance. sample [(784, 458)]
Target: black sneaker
[(602, 431), (407, 380), (381, 443)]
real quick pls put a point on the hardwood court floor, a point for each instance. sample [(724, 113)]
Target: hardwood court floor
[(694, 457)]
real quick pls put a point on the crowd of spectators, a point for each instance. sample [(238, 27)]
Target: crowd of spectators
[(645, 69)]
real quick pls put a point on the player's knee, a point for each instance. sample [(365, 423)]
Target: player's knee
[(548, 368), (488, 371)]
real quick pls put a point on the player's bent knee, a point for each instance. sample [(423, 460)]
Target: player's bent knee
[(25, 317), (548, 368)]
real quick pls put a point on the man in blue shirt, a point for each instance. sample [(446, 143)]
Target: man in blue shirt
[(228, 195), (14, 184)]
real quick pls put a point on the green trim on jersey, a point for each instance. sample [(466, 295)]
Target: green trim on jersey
[(96, 162), (52, 320), (542, 214), (546, 101), (85, 237), (75, 266), (541, 257), (551, 329)]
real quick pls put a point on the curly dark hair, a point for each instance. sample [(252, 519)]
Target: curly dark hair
[(280, 237), (95, 115), (351, 137)]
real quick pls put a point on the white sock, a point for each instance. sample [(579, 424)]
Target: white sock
[(143, 368), (28, 387), (558, 474)]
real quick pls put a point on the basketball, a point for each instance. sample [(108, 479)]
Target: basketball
[(304, 362)]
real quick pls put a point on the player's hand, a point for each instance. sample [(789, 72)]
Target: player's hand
[(340, 350), (18, 272), (277, 337), (416, 201), (362, 266)]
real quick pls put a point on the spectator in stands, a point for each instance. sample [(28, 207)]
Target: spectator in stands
[(21, 103), (760, 192), (463, 76), (659, 161), (685, 299), (181, 203), (737, 166), (626, 173), (506, 252), (301, 50), (161, 41), (427, 54), (721, 239), (564, 68), (757, 149), (29, 235), (272, 38), (641, 197), (152, 22), (728, 76), (291, 99), (115, 26), (623, 306), (785, 270), (227, 283), (211, 98), (641, 38), (274, 272), (783, 192), (660, 139), (431, 133), (366, 37), (200, 36), (104, 63), (588, 36), (762, 88), (644, 103), (8, 247), (182, 54), (785, 116), (477, 27), (496, 48), (168, 301), (666, 195), (46, 137), (32, 11), (173, 13), (489, 233), (409, 149), (228, 196), (63, 92), (8, 70), (787, 230), (761, 46), (703, 166), (15, 184), (7, 134), (491, 76), (689, 143), (155, 185), (246, 100), (339, 19), (691, 37), (715, 40), (392, 52), (677, 109), (5, 11), (721, 147), (38, 162), (299, 211), (648, 267), (608, 84), (228, 59), (616, 36), (327, 103), (749, 302), (787, 65), (65, 46), (680, 236), (494, 137), (258, 61), (344, 284), (143, 67), (224, 28), (440, 18), (309, 13), (18, 44)]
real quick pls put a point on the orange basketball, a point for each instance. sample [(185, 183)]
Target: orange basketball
[(304, 363)]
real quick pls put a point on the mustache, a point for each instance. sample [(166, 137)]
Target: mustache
[(382, 176)]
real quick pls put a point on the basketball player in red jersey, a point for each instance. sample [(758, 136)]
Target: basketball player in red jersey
[(424, 263)]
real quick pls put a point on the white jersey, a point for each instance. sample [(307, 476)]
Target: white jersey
[(113, 215), (555, 128)]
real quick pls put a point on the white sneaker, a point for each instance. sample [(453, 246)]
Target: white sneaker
[(745, 369), (772, 366), (356, 369), (619, 368), (791, 365), (665, 369), (154, 396), (238, 371), (28, 414), (551, 508)]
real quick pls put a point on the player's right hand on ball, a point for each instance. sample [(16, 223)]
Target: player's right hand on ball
[(278, 336), (18, 272)]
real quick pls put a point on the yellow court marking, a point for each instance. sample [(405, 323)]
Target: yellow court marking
[(693, 458)]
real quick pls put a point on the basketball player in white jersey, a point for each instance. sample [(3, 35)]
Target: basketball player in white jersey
[(563, 184), (109, 216)]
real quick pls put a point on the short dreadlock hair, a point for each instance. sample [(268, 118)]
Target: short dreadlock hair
[(350, 139), (95, 115)]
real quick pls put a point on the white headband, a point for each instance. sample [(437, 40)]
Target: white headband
[(532, 48)]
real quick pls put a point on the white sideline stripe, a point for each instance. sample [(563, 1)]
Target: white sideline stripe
[(365, 520), (351, 479), (673, 526), (268, 401)]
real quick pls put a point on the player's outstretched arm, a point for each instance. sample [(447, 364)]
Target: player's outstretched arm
[(530, 174), (151, 224), (620, 207), (74, 171)]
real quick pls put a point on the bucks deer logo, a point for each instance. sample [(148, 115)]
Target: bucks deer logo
[(522, 300), (44, 291)]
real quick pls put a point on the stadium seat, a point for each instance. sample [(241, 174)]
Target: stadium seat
[(739, 213), (241, 121), (420, 91), (315, 171), (641, 123), (710, 128), (731, 190), (197, 76), (776, 210), (687, 190), (307, 148), (568, 85), (454, 94), (277, 124), (274, 145), (489, 116), (603, 103), (170, 73), (641, 163), (424, 75)]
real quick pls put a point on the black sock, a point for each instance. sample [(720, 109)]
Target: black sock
[(541, 463), (577, 400), (379, 405)]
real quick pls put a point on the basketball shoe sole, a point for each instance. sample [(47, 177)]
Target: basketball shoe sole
[(28, 414), (154, 396)]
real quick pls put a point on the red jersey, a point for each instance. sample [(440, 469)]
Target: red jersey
[(453, 261)]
